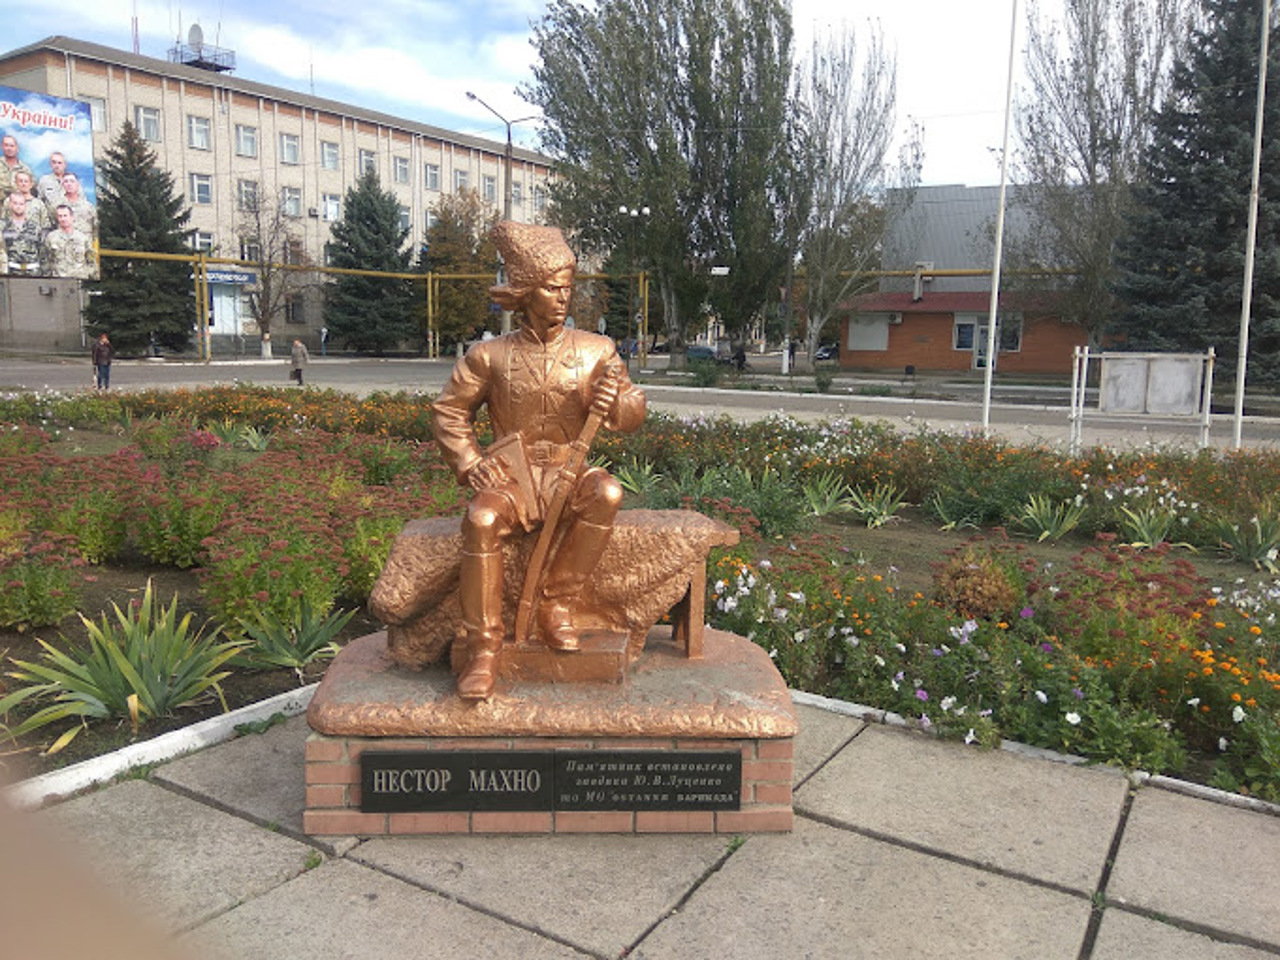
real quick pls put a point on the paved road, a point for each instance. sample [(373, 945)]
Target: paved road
[(1021, 414)]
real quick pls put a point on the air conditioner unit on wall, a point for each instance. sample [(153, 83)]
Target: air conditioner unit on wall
[(313, 212)]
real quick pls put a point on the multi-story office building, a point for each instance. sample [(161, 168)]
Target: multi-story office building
[(228, 141)]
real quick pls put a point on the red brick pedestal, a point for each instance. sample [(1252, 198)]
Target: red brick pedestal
[(733, 699)]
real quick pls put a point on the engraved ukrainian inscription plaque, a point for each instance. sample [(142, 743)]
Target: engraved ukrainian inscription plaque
[(399, 781)]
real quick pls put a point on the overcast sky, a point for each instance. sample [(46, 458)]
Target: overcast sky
[(417, 58)]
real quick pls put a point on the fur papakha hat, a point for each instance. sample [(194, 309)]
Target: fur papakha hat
[(531, 253)]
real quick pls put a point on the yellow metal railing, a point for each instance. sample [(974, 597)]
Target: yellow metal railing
[(200, 280)]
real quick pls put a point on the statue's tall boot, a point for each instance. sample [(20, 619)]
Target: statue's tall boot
[(480, 595), (579, 553)]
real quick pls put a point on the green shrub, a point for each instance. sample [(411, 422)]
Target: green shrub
[(706, 373), (37, 586)]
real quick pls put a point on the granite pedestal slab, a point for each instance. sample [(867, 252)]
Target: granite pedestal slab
[(669, 709)]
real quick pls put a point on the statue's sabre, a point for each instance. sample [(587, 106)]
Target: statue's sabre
[(564, 486)]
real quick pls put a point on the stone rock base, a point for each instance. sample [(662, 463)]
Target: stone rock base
[(731, 700)]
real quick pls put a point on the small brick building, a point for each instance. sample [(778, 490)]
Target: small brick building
[(934, 318)]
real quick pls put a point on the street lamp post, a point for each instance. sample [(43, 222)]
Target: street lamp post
[(506, 199), (634, 214)]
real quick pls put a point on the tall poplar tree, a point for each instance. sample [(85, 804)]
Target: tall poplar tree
[(370, 314), (1095, 81), (679, 106), (1182, 264), (138, 210)]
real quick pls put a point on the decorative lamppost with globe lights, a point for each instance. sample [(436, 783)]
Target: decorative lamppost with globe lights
[(634, 215)]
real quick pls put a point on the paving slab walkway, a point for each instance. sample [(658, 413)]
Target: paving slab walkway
[(904, 846)]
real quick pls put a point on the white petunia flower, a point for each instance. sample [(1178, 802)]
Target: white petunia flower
[(1073, 718), (970, 737), (1237, 713), (1042, 696)]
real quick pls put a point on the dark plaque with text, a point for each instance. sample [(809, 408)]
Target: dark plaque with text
[(399, 781), (648, 780)]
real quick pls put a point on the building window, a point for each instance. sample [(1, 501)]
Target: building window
[(246, 141), (293, 312), (368, 162), (331, 207), (290, 148), (460, 181), (97, 112), (291, 251), (539, 199), (147, 120), (328, 254), (201, 242), (405, 222), (400, 169), (432, 220), (971, 330), (328, 155), (291, 201), (201, 188), (489, 189), (247, 194), (433, 176), (517, 192), (251, 251), (198, 132)]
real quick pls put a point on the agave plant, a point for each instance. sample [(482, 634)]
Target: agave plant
[(878, 506), (826, 493), (1050, 520), (306, 637), (143, 662)]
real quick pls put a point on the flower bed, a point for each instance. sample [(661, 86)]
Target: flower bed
[(1119, 649)]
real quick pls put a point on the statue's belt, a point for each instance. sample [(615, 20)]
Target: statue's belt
[(544, 452)]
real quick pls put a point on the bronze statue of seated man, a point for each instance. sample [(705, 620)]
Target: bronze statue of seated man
[(547, 387)]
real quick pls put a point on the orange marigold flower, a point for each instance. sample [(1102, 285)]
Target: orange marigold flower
[(1236, 698)]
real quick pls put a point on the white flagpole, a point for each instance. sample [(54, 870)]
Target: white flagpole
[(993, 311), (1251, 238)]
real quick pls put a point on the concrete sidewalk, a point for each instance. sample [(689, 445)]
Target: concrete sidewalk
[(905, 846)]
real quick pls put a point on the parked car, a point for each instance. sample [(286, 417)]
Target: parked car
[(827, 351), (700, 352)]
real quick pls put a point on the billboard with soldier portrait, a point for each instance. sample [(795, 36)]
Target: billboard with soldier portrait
[(48, 212)]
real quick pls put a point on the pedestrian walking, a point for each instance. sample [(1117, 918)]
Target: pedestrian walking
[(298, 357), (102, 354)]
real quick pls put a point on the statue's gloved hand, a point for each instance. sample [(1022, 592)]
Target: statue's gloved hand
[(606, 393), (486, 475)]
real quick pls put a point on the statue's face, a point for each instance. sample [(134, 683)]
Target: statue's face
[(548, 303)]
